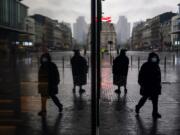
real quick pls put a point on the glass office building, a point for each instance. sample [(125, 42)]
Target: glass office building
[(12, 14), (12, 22)]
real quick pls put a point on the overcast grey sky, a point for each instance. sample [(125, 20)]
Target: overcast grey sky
[(69, 10)]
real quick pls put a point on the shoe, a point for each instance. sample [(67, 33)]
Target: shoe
[(42, 113), (156, 115), (125, 91), (137, 109), (81, 91), (117, 91)]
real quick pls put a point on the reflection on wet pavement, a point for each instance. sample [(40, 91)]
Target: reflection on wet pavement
[(116, 112)]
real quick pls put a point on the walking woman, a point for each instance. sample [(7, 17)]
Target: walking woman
[(150, 82), (48, 78)]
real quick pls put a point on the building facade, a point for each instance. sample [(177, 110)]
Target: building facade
[(154, 33), (137, 36), (108, 37), (51, 33), (12, 21), (66, 35), (175, 31), (29, 40)]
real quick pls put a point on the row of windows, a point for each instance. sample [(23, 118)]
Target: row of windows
[(12, 13)]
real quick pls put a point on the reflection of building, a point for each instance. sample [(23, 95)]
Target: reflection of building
[(175, 31), (80, 29), (12, 18), (123, 30), (12, 21), (30, 28), (108, 33), (154, 33), (57, 38), (66, 35), (156, 29), (137, 36), (165, 35), (51, 33)]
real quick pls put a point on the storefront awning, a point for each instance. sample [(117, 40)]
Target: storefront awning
[(15, 30)]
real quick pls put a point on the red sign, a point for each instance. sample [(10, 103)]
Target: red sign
[(105, 19)]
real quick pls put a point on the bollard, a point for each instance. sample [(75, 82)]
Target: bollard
[(138, 63), (165, 63), (131, 61), (63, 64), (110, 59), (88, 66)]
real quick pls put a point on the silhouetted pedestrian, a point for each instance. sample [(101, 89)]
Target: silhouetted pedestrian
[(150, 82), (120, 71), (48, 78), (79, 70)]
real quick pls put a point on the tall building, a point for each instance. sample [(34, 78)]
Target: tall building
[(80, 30), (122, 30)]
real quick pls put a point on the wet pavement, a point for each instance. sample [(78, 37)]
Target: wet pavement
[(117, 116)]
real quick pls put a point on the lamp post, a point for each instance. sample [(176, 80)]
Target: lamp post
[(93, 69)]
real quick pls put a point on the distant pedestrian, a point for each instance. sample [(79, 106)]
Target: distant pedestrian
[(150, 82), (120, 71), (79, 71), (48, 78)]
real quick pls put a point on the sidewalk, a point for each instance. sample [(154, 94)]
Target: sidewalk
[(117, 116)]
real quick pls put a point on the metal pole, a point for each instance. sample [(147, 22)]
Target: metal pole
[(93, 69), (99, 16), (131, 61), (138, 63), (63, 66), (165, 63)]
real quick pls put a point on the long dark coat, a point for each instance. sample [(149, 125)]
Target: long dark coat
[(79, 70), (48, 78), (120, 70), (150, 79)]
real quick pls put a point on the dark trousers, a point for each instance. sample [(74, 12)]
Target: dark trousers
[(56, 101), (154, 100)]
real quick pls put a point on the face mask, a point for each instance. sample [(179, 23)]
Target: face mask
[(154, 59), (44, 59)]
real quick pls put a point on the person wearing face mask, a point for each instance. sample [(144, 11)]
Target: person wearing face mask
[(149, 80), (48, 80)]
